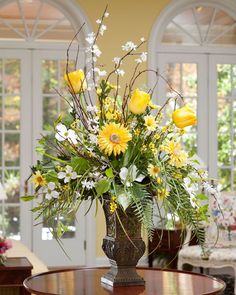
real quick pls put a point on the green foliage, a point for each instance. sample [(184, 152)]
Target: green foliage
[(102, 187)]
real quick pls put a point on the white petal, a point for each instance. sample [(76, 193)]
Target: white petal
[(67, 179), (74, 175), (140, 178), (59, 137), (48, 196), (51, 185), (134, 172), (123, 173), (55, 194), (69, 169), (61, 175)]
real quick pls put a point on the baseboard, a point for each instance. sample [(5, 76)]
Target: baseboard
[(103, 261)]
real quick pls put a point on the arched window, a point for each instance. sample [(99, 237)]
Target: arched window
[(193, 43), (33, 41)]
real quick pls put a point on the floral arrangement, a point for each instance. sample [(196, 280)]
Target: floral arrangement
[(5, 245), (116, 144)]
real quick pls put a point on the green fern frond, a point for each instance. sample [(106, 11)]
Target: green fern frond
[(142, 204)]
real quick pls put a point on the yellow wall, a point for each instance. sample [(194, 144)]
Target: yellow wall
[(129, 20)]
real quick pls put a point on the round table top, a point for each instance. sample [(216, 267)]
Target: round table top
[(87, 281)]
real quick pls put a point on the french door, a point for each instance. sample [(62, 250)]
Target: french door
[(29, 103), (208, 84)]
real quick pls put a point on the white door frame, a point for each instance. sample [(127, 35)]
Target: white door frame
[(160, 94)]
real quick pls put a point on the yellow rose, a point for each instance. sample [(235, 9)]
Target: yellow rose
[(76, 81), (184, 117), (139, 102)]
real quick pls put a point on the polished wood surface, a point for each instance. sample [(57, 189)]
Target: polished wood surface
[(87, 281), (14, 272)]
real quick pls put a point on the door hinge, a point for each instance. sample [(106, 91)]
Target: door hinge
[(85, 245)]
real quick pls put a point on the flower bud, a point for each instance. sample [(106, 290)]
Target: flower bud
[(76, 81), (139, 102), (184, 117)]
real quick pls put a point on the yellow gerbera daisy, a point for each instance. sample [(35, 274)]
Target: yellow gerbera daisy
[(150, 123), (178, 157), (153, 170), (38, 179), (113, 138)]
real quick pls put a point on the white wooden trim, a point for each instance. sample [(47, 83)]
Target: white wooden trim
[(25, 141)]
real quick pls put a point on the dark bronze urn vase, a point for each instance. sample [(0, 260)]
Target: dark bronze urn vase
[(123, 245)]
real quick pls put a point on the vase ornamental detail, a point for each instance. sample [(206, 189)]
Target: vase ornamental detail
[(123, 245)]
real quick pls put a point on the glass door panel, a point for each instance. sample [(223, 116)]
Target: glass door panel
[(49, 103), (226, 123), (183, 74), (10, 94)]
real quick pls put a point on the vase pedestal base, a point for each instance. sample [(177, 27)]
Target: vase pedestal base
[(122, 276)]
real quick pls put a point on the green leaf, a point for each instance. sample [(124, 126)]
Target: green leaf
[(51, 176), (40, 150), (79, 165), (42, 141), (109, 173), (27, 198), (202, 197), (102, 187)]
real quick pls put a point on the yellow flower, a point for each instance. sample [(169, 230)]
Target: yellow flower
[(139, 102), (162, 193), (76, 81), (113, 138), (153, 106), (153, 170), (184, 117), (157, 136), (150, 122), (113, 204), (38, 179), (99, 91), (178, 157), (159, 180)]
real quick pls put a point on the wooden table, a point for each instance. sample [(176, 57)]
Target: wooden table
[(87, 281), (14, 272)]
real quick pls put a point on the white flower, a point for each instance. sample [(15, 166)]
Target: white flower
[(116, 60), (129, 46), (50, 191), (103, 29), (106, 14), (99, 72), (93, 138), (68, 174), (142, 58), (120, 72), (130, 175), (142, 39), (91, 37), (95, 49), (63, 133), (98, 21), (91, 108), (88, 184)]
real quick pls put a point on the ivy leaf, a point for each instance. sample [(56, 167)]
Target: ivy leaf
[(109, 173), (102, 187), (51, 176), (79, 165)]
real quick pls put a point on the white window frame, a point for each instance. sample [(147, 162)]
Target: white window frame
[(156, 49)]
